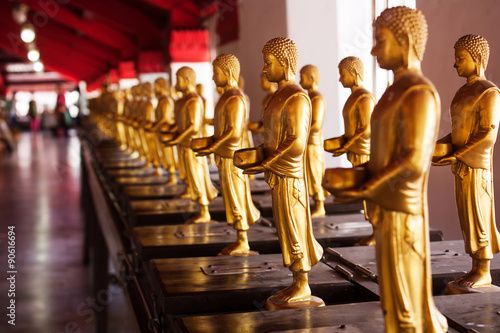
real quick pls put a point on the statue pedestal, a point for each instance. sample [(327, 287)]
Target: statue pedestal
[(274, 304), (454, 288)]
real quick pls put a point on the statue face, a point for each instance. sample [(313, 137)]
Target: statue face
[(219, 77), (181, 84), (388, 51), (305, 81), (346, 78), (273, 70), (464, 64)]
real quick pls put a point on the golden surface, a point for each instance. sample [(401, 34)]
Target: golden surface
[(230, 124), (315, 162), (287, 121), (404, 124), (189, 120), (475, 113)]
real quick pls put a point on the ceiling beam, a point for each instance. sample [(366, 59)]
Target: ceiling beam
[(123, 16), (81, 43), (90, 27)]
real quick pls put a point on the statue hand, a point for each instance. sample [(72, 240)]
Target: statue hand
[(254, 170), (203, 152), (353, 195), (339, 152), (446, 160)]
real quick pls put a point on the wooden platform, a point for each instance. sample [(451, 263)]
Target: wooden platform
[(465, 313), (208, 240), (448, 261), (225, 283), (265, 204)]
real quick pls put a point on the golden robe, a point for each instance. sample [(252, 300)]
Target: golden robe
[(475, 114), (358, 149), (287, 120), (315, 161), (165, 115), (229, 127), (190, 126), (401, 150)]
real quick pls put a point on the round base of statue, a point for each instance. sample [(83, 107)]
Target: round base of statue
[(194, 220), (453, 288), (240, 254), (273, 304)]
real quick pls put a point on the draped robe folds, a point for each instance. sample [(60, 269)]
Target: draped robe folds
[(190, 123), (475, 119), (358, 152), (402, 144), (287, 119), (229, 127), (165, 115), (315, 161)]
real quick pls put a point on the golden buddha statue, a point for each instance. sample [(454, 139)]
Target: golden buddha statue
[(404, 123), (475, 113), (247, 134), (189, 126), (315, 162), (229, 125), (200, 90), (357, 111), (270, 88), (164, 116), (287, 120), (150, 137)]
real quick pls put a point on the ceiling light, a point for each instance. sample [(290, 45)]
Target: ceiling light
[(33, 55), (28, 33), (38, 66)]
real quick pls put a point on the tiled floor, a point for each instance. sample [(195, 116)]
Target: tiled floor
[(39, 196)]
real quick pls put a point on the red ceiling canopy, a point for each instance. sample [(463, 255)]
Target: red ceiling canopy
[(190, 46), (87, 39)]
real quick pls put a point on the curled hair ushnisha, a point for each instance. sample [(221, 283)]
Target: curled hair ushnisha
[(283, 48), (476, 46), (229, 64), (403, 22), (353, 65)]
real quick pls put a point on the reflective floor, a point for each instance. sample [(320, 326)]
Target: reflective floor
[(40, 197)]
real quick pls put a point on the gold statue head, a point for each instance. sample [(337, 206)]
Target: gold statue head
[(309, 77), (283, 52), (226, 70), (471, 55), (406, 27), (147, 89), (351, 72), (186, 79), (161, 86)]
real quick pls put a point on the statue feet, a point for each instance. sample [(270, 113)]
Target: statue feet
[(202, 217), (319, 210), (172, 180), (199, 218), (367, 241), (158, 171), (237, 249), (474, 279)]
